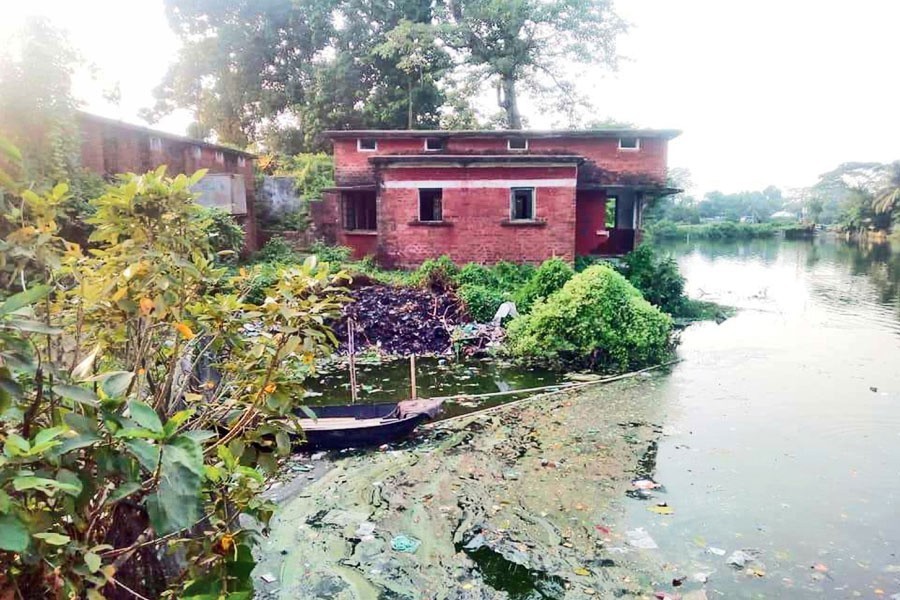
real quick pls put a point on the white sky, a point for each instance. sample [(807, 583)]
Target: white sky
[(766, 91)]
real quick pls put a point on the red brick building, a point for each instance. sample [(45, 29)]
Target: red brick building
[(486, 196), (109, 147)]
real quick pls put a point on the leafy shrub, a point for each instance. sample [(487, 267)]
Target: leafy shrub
[(511, 275), (665, 230), (333, 255), (226, 236), (656, 277), (475, 274), (437, 274), (481, 301), (596, 319), (549, 277), (114, 458), (276, 250)]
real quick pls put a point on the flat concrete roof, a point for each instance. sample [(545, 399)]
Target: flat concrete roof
[(667, 134)]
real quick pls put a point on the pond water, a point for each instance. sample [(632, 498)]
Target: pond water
[(783, 426), (389, 381), (781, 432)]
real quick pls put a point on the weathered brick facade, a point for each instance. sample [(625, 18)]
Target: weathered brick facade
[(109, 147), (572, 175)]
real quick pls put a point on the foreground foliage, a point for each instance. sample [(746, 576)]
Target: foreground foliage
[(137, 415), (596, 319)]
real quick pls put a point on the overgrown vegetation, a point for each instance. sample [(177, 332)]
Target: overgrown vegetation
[(137, 416), (597, 319), (722, 230)]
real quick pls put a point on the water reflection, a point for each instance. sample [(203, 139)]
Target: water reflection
[(788, 423)]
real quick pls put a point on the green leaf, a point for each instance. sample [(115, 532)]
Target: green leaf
[(5, 502), (116, 383), (31, 326), (283, 442), (145, 416), (54, 539), (29, 296), (176, 504), (69, 478), (308, 412), (82, 440), (48, 486), (93, 561), (176, 420), (13, 534), (80, 423), (123, 491), (76, 393), (15, 445), (146, 453)]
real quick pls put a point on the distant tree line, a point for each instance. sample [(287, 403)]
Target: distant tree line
[(857, 196)]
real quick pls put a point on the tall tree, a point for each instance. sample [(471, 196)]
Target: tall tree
[(307, 65), (887, 199), (510, 41)]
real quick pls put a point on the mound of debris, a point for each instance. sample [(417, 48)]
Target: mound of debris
[(401, 320)]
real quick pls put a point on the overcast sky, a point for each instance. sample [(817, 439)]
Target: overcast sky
[(766, 91)]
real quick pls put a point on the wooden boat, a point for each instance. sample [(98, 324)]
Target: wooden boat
[(361, 425)]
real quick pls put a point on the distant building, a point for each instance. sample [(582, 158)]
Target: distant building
[(109, 147), (487, 196)]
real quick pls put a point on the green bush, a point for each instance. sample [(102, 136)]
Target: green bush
[(276, 250), (437, 274), (596, 319), (475, 274), (656, 277), (511, 275), (333, 255), (481, 301), (549, 277), (226, 236)]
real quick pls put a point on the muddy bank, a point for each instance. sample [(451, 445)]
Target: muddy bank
[(523, 502)]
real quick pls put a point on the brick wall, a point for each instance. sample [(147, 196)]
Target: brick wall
[(109, 149), (604, 161), (476, 226)]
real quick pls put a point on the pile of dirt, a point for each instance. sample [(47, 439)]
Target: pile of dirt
[(401, 320)]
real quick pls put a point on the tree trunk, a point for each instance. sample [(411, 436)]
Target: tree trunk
[(409, 111), (509, 102)]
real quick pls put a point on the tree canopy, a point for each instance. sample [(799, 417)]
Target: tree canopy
[(282, 71)]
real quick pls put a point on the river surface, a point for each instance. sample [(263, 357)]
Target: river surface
[(781, 426), (783, 423)]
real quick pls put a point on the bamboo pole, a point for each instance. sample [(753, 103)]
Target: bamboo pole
[(548, 389), (412, 377), (351, 351)]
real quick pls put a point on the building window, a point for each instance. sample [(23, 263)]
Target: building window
[(434, 144), (521, 204), (220, 157), (155, 144), (196, 152), (367, 144), (430, 205), (629, 143), (519, 144), (359, 211)]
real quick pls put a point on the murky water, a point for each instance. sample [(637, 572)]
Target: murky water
[(435, 377), (784, 424)]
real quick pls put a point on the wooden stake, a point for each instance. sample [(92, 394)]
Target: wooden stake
[(412, 376), (351, 351)]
